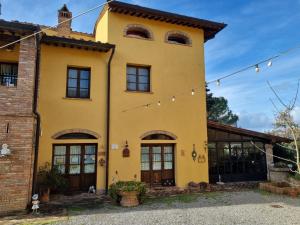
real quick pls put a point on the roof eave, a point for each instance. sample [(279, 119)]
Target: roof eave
[(75, 43), (242, 131)]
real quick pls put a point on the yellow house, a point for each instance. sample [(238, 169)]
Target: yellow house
[(133, 109)]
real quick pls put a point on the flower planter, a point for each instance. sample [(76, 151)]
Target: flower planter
[(280, 188), (129, 199), (45, 195)]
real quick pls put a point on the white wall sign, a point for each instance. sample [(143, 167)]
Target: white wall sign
[(114, 146)]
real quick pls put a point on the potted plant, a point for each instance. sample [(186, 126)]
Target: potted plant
[(128, 193), (50, 179)]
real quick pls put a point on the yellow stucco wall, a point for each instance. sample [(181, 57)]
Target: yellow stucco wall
[(10, 56), (175, 70), (59, 113)]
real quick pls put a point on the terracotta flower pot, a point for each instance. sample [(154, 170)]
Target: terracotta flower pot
[(45, 195), (129, 199)]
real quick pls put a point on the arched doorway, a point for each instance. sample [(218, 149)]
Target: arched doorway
[(158, 159), (77, 161)]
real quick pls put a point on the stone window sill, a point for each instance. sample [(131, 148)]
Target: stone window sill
[(82, 99), (139, 92)]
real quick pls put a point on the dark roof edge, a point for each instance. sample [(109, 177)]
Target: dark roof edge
[(236, 130), (75, 43), (16, 26), (211, 28)]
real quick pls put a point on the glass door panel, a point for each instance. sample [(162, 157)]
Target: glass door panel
[(168, 157), (156, 157), (59, 158), (145, 158), (75, 159), (89, 158)]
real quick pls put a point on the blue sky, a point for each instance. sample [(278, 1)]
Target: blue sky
[(256, 30)]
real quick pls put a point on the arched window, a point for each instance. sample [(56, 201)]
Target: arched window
[(76, 136), (178, 37), (137, 31), (158, 135), (76, 133)]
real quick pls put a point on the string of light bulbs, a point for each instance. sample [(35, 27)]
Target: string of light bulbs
[(170, 99), (256, 66), (54, 26)]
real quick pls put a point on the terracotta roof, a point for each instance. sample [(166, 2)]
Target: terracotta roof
[(210, 28), (250, 133), (75, 43), (19, 27)]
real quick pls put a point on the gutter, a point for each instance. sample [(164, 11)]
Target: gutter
[(108, 120), (37, 115)]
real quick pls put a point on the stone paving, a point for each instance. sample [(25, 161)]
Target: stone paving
[(217, 208)]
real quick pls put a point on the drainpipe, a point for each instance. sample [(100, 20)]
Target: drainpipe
[(108, 120), (37, 115)]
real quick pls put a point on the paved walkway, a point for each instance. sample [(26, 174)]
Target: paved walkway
[(245, 207), (215, 208)]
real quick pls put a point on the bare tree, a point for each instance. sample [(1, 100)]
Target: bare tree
[(285, 122)]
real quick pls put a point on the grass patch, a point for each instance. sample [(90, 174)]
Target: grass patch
[(262, 192), (42, 222), (182, 198)]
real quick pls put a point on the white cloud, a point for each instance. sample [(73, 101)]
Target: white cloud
[(296, 114), (255, 121)]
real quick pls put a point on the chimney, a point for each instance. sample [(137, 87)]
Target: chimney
[(64, 29)]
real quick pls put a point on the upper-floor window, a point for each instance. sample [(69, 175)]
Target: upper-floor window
[(138, 31), (8, 74), (178, 37), (78, 85), (138, 78)]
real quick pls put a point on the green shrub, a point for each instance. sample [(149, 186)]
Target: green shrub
[(297, 176), (51, 178), (127, 186)]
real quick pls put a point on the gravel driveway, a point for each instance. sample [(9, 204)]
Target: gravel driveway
[(245, 207)]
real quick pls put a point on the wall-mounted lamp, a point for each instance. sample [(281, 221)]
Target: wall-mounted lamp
[(102, 162), (126, 151), (194, 153)]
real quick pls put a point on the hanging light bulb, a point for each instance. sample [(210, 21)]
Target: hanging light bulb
[(256, 68), (218, 83), (158, 103), (173, 99), (193, 92), (270, 63)]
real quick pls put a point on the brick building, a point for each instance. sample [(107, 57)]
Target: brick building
[(17, 118)]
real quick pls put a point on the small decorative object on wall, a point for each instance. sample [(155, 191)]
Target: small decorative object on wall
[(4, 151), (205, 146), (194, 153), (126, 151), (35, 204), (102, 162), (201, 159)]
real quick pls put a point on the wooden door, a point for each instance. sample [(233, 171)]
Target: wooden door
[(78, 163), (157, 164)]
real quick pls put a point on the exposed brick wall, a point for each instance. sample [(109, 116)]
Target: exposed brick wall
[(16, 110)]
